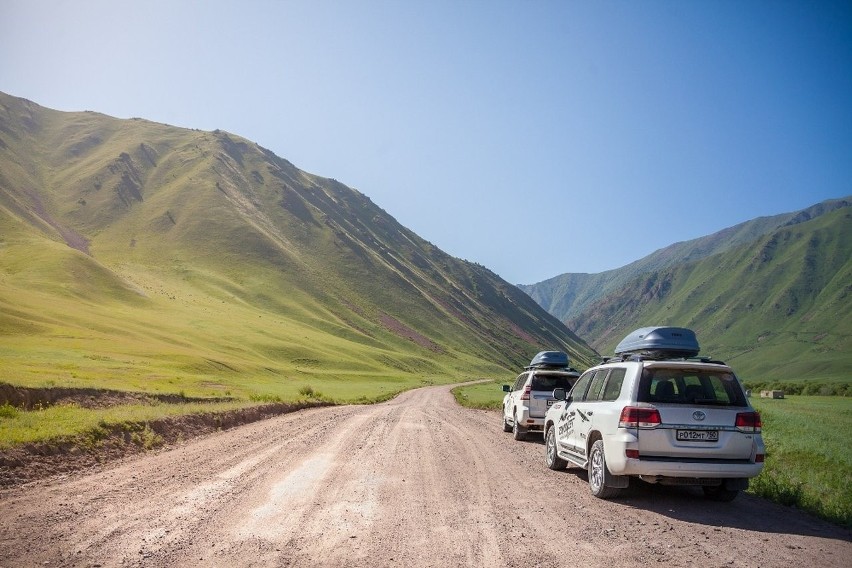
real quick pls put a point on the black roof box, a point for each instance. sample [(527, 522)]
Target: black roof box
[(660, 343), (549, 359)]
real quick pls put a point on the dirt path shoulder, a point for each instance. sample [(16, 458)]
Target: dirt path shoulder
[(417, 481)]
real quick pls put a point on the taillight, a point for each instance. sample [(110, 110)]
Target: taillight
[(759, 458), (639, 417), (526, 394), (748, 422), (631, 454)]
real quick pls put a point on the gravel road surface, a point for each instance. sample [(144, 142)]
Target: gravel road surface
[(417, 481)]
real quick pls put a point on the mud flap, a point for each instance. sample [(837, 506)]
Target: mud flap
[(618, 481), (739, 484)]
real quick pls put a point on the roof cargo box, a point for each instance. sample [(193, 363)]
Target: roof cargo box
[(549, 359), (660, 342)]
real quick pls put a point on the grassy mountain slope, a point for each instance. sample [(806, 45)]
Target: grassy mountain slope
[(777, 308), (568, 295), (136, 255)]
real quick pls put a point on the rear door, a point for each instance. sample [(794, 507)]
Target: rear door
[(698, 408), (514, 397), (541, 390)]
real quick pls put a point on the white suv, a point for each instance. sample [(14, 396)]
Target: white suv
[(528, 399), (657, 413)]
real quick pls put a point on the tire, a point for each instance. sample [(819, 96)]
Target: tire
[(518, 432), (552, 458), (720, 493), (598, 473), (506, 426)]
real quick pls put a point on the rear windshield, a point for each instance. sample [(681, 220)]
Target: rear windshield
[(690, 386), (550, 382)]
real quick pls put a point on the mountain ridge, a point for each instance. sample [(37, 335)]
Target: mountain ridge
[(151, 219), (567, 295), (778, 306)]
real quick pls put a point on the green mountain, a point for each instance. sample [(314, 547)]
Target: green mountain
[(568, 295), (137, 255), (777, 308)]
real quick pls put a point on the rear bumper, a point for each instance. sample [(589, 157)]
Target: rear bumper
[(530, 423), (677, 467), (703, 470)]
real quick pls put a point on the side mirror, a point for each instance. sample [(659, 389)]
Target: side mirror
[(559, 394), (507, 388)]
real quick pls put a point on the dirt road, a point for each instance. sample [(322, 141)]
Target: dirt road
[(417, 481)]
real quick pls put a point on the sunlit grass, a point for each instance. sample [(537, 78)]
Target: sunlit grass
[(487, 395), (809, 459), (64, 420)]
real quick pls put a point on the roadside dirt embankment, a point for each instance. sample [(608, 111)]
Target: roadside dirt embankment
[(29, 398), (29, 462)]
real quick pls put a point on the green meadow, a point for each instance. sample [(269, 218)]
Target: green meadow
[(808, 456), (203, 334)]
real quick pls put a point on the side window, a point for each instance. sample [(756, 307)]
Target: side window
[(519, 382), (613, 384), (578, 393), (597, 385)]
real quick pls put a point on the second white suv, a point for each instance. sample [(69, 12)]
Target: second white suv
[(528, 399), (657, 413)]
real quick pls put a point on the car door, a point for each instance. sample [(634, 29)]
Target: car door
[(565, 428), (584, 408)]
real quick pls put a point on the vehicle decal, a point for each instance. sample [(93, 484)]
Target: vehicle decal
[(583, 416)]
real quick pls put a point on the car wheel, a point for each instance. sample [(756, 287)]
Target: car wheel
[(506, 426), (597, 473), (720, 493), (518, 432), (553, 459)]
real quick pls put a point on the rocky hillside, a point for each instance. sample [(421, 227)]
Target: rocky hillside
[(568, 295), (778, 307)]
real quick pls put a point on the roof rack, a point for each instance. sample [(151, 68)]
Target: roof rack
[(660, 357)]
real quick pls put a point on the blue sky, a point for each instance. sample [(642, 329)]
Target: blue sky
[(532, 137)]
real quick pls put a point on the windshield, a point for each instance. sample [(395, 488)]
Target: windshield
[(550, 382), (690, 386)]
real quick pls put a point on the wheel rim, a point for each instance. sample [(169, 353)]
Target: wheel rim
[(596, 473), (551, 447)]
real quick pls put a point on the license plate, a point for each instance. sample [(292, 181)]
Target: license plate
[(697, 435)]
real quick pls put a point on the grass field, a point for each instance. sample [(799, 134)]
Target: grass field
[(808, 455), (487, 395)]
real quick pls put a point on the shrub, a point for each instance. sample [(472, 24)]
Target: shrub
[(147, 438), (265, 398), (8, 411)]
